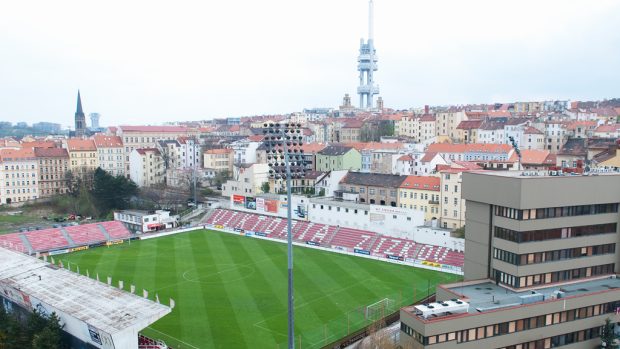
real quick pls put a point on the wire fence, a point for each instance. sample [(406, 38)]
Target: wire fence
[(354, 320)]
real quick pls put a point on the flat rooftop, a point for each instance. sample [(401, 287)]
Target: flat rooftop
[(105, 307), (486, 295)]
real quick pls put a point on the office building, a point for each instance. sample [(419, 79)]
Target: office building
[(540, 266)]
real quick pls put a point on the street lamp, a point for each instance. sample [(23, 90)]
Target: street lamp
[(286, 160)]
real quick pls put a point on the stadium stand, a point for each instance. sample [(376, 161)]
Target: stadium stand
[(54, 238), (13, 242), (337, 237)]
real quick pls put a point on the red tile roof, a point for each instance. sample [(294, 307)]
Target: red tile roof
[(588, 124), (469, 124), (103, 141), (421, 182), (313, 147), (536, 157), (78, 144), (608, 128), (427, 118), (51, 153), (405, 158), (464, 148), (143, 151), (255, 138), (352, 123), (532, 131), (39, 144), (428, 156), (12, 154)]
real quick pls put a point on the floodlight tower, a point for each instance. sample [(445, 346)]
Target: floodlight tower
[(367, 64), (286, 160)]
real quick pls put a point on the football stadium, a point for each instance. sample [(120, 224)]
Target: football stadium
[(226, 287)]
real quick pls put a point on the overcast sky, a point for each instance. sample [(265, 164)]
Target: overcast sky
[(140, 62)]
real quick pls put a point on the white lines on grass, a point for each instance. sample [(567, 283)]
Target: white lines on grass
[(310, 302), (236, 267), (171, 337), (270, 330)]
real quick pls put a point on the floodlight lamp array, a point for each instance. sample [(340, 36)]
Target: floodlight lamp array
[(282, 140)]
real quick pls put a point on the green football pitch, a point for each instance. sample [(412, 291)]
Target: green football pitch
[(230, 291)]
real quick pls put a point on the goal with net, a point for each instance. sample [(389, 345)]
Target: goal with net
[(380, 309)]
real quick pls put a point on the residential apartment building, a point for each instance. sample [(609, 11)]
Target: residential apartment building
[(452, 214), (347, 131), (83, 158), (19, 170), (146, 167), (373, 188), (338, 157), (219, 159), (540, 266), (53, 168), (421, 193), (135, 137), (111, 154), (247, 180), (555, 135), (447, 122), (467, 131)]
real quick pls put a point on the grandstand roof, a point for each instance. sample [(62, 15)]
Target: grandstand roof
[(105, 307)]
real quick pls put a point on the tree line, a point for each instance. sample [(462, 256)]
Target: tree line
[(30, 331)]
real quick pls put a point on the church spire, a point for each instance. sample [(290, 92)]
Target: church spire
[(79, 105), (80, 118)]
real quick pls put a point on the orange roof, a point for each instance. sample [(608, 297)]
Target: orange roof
[(103, 141), (608, 128), (536, 157), (78, 144), (359, 146), (218, 151), (51, 153), (467, 165), (12, 154), (313, 147), (574, 124), (498, 113), (446, 148), (532, 131), (428, 156), (464, 148), (421, 182), (255, 138), (405, 158), (39, 144)]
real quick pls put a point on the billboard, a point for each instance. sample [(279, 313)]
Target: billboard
[(260, 204), (271, 206), (250, 203), (238, 200)]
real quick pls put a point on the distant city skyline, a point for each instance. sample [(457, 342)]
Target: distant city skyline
[(148, 63)]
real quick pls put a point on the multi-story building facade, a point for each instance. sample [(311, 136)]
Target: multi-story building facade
[(146, 166), (555, 135), (19, 170), (373, 188), (452, 212), (83, 158), (247, 180), (540, 266), (219, 159), (53, 168), (447, 122), (338, 157), (111, 154), (421, 193), (135, 137)]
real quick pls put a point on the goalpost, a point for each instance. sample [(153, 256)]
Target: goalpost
[(380, 309)]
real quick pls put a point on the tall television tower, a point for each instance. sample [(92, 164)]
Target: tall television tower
[(367, 64)]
